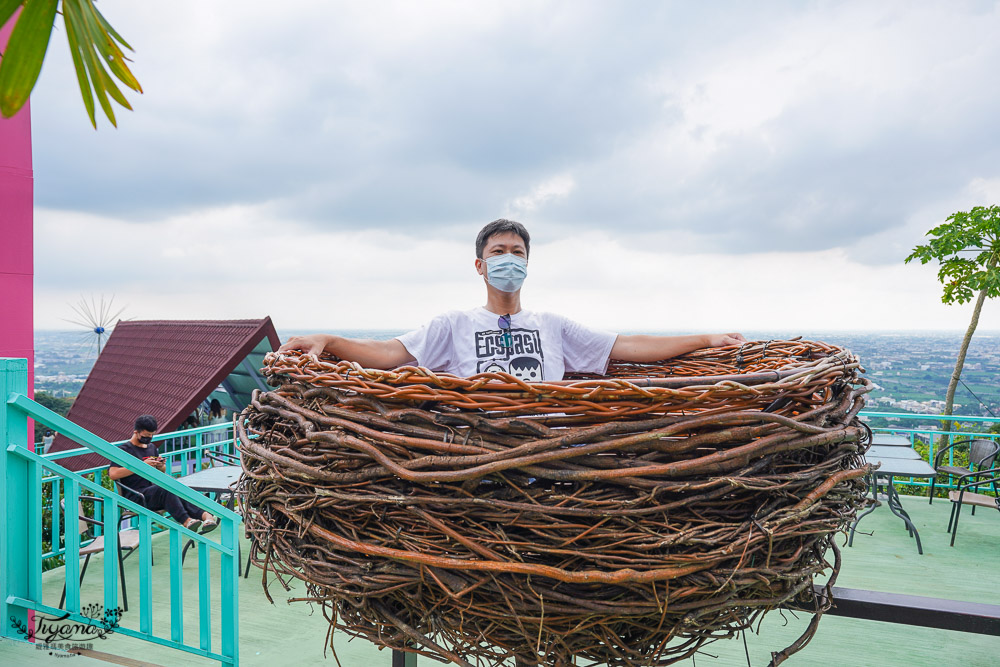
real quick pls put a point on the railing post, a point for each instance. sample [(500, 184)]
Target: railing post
[(229, 591), (16, 505)]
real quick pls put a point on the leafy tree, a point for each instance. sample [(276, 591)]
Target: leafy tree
[(93, 45), (967, 246), (58, 405)]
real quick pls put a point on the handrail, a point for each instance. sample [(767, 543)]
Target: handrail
[(21, 472), (936, 433), (915, 610), (118, 457), (932, 435), (170, 435), (943, 418), (199, 451)]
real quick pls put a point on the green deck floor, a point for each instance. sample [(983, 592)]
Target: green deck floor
[(883, 558)]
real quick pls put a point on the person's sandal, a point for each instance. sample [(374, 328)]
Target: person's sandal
[(209, 526), (194, 525)]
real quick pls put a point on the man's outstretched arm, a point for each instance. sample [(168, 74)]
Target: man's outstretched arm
[(653, 348), (384, 354)]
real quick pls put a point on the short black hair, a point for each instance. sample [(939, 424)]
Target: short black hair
[(502, 226), (145, 423)]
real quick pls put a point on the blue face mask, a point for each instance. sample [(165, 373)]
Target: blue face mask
[(506, 272)]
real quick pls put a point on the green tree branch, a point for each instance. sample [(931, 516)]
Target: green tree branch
[(976, 231)]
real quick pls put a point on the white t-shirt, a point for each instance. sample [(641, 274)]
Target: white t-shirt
[(544, 346)]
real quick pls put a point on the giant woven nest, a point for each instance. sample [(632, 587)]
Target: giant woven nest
[(625, 519)]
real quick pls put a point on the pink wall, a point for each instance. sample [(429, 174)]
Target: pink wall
[(16, 261)]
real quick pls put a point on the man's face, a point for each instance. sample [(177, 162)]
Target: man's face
[(144, 436), (503, 243)]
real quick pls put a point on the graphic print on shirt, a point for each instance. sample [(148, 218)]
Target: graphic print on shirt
[(528, 369), (523, 359)]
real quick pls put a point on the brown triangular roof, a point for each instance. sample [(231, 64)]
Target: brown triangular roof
[(164, 368)]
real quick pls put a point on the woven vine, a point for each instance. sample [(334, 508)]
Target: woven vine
[(624, 519)]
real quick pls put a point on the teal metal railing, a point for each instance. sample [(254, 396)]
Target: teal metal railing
[(183, 451), (21, 475), (926, 440)]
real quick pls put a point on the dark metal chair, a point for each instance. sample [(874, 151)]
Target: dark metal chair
[(128, 540), (982, 454), (223, 458), (966, 494)]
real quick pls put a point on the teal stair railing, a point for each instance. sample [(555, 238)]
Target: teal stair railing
[(183, 452), (21, 474)]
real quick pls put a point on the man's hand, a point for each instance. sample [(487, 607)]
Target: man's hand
[(157, 462), (722, 340), (384, 354), (645, 349), (313, 344)]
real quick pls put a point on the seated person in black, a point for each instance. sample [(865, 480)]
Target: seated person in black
[(152, 496)]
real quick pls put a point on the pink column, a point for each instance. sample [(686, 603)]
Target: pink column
[(16, 262)]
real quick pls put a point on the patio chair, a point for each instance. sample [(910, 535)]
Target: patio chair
[(982, 454), (965, 495), (128, 540), (223, 458)]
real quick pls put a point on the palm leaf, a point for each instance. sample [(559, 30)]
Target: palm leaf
[(116, 59), (75, 51), (25, 52), (93, 45), (107, 27), (97, 48), (7, 9), (99, 41)]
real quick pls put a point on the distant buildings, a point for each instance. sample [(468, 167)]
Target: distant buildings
[(910, 371), (930, 407)]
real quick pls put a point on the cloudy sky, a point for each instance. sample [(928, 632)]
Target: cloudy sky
[(681, 166)]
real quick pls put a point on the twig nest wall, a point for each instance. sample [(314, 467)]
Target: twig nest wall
[(625, 519)]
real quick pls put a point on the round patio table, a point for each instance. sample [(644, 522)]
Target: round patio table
[(217, 480)]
